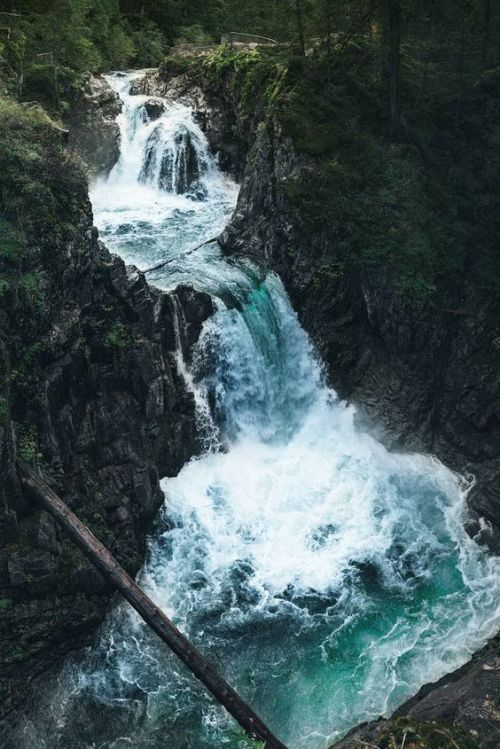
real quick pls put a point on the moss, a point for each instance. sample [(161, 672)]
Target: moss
[(18, 655), (420, 208), (174, 66), (28, 444), (256, 75), (239, 740), (117, 337), (417, 735)]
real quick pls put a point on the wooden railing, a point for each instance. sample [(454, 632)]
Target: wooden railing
[(234, 37)]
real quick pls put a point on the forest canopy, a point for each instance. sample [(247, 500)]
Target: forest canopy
[(98, 35)]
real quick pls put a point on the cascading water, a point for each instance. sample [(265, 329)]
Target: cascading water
[(165, 194), (327, 577)]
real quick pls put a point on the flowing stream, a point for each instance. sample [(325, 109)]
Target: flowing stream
[(326, 577)]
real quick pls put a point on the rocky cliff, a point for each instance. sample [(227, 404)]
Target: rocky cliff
[(91, 395), (91, 120), (424, 371), (412, 342), (419, 357), (403, 311)]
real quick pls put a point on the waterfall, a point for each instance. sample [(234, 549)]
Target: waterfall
[(165, 194), (327, 577), (160, 147)]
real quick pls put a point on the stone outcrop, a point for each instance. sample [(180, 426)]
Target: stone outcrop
[(98, 404), (467, 700), (154, 108), (91, 120)]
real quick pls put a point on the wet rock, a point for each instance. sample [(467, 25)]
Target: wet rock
[(227, 135), (31, 572), (154, 108), (197, 307), (462, 709), (44, 534), (469, 698)]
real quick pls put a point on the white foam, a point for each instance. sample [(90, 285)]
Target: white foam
[(327, 577)]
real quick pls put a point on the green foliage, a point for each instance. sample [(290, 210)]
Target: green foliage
[(117, 337), (28, 444), (42, 199), (11, 242), (412, 207), (149, 45), (194, 34), (38, 207), (257, 74), (239, 740), (18, 655), (5, 603)]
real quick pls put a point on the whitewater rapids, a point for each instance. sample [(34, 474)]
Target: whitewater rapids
[(325, 576)]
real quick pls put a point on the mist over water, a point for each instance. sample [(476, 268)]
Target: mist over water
[(328, 578)]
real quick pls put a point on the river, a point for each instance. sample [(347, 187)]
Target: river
[(326, 577)]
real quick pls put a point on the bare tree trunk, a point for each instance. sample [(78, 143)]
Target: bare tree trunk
[(300, 27), (486, 31), (393, 67)]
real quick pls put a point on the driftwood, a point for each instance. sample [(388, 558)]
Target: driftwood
[(176, 259), (145, 607)]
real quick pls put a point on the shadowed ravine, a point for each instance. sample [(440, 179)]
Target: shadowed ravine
[(326, 577)]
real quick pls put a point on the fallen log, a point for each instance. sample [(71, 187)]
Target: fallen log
[(145, 607), (184, 254)]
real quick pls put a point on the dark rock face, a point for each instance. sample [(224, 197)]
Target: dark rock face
[(93, 131), (425, 378), (112, 415), (180, 169), (424, 375), (469, 697), (154, 108)]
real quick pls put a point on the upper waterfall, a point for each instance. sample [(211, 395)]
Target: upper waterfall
[(165, 194), (161, 147)]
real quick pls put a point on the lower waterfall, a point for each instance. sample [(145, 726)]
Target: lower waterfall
[(326, 577)]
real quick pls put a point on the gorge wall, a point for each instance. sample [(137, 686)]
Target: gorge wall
[(419, 354), (420, 358), (91, 394), (97, 400)]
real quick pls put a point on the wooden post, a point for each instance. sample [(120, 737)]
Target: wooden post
[(156, 619)]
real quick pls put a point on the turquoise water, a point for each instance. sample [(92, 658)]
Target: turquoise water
[(326, 577)]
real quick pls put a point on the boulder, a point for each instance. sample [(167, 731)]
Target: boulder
[(154, 108)]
